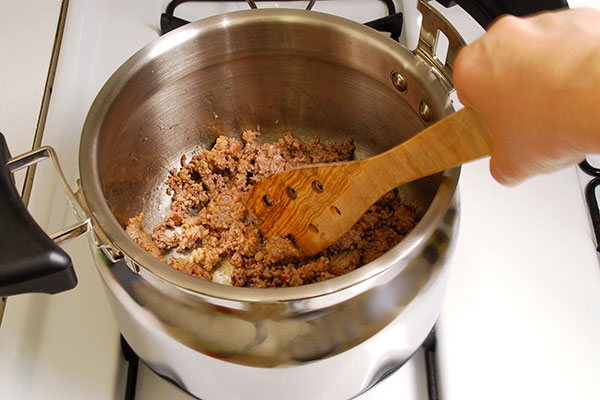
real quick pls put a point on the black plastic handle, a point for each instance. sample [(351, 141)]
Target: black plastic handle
[(29, 260), (486, 11)]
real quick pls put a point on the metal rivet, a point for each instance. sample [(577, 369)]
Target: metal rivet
[(291, 192), (398, 81), (268, 200), (424, 111)]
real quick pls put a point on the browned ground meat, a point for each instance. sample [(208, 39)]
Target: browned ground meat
[(209, 223), (136, 232)]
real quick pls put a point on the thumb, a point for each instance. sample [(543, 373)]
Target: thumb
[(505, 171)]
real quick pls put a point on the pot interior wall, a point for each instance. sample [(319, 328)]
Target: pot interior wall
[(314, 81)]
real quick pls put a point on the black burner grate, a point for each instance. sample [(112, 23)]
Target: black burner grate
[(591, 198), (392, 23)]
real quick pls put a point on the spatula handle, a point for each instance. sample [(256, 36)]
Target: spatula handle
[(463, 136)]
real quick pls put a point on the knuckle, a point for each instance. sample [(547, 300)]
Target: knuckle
[(505, 22)]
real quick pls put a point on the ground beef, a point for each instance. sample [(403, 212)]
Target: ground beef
[(209, 226), (136, 232)]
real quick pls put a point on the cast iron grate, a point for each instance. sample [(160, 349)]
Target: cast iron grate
[(392, 23), (591, 198)]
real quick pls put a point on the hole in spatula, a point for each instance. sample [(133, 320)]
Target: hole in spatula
[(313, 228), (317, 186), (268, 200), (335, 211), (291, 192)]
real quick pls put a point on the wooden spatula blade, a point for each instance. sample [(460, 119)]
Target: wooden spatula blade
[(298, 205)]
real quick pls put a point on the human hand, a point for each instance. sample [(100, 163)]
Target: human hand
[(536, 80)]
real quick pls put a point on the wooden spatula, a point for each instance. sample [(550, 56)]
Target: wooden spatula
[(315, 205)]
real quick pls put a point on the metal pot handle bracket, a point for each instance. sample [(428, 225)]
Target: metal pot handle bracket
[(31, 260), (439, 43)]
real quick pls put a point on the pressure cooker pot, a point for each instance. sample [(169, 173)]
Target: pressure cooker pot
[(313, 74)]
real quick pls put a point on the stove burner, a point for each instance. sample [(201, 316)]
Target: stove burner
[(429, 348), (392, 23), (591, 198)]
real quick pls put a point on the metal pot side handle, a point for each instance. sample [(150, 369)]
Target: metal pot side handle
[(31, 260)]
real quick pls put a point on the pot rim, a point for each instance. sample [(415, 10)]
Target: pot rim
[(105, 222)]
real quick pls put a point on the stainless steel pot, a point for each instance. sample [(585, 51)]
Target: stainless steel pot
[(315, 74)]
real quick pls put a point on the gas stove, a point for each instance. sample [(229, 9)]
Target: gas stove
[(521, 317)]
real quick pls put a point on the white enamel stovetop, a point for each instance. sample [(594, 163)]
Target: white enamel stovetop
[(521, 317)]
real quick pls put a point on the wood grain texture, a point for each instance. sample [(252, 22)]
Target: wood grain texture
[(316, 205)]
